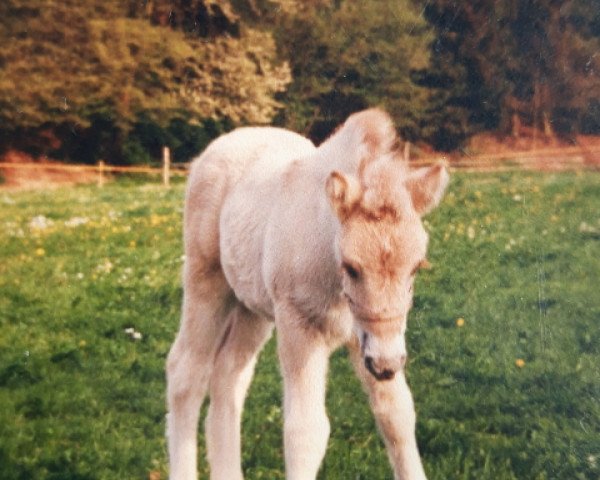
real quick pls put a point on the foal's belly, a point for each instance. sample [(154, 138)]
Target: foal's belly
[(241, 257), (243, 222)]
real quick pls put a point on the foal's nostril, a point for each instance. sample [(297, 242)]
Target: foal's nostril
[(384, 374)]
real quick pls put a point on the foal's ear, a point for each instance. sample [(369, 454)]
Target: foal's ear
[(426, 187), (343, 192)]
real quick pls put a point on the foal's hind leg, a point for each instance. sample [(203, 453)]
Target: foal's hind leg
[(189, 365), (392, 405), (230, 379)]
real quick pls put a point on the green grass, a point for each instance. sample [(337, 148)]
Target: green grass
[(516, 256)]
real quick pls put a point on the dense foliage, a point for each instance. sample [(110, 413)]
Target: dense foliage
[(347, 56), (92, 75), (512, 63), (115, 80)]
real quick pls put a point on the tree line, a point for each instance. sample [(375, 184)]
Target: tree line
[(116, 80)]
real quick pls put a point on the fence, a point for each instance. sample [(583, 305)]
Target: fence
[(102, 169), (565, 158), (571, 158)]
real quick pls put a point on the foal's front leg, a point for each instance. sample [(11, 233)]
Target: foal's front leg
[(392, 405), (304, 357)]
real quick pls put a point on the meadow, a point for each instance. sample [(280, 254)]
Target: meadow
[(504, 338)]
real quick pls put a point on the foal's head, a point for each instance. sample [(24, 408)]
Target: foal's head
[(380, 247)]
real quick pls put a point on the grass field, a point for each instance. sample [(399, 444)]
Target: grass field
[(510, 391)]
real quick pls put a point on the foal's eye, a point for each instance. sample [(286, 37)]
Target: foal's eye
[(352, 272)]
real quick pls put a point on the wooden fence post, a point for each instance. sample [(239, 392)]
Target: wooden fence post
[(101, 173), (166, 166)]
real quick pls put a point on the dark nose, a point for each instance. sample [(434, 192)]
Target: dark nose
[(384, 370)]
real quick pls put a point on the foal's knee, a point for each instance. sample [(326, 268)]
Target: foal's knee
[(392, 404)]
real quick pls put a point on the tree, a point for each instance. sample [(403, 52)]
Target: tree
[(525, 62), (89, 71), (366, 59)]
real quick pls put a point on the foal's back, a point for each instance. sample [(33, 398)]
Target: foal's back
[(239, 169)]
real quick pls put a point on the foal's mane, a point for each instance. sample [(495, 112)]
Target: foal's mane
[(367, 148)]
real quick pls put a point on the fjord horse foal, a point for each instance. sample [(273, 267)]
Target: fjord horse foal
[(321, 243)]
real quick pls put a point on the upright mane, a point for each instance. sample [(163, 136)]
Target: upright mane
[(365, 137), (384, 193), (365, 149)]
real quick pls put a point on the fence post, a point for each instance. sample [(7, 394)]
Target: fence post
[(101, 173), (166, 166)]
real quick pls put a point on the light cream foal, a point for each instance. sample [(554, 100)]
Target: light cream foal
[(322, 243)]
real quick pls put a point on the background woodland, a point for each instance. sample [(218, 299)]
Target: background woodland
[(117, 80)]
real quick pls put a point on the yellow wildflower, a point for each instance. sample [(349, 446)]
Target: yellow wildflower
[(460, 322), (520, 363)]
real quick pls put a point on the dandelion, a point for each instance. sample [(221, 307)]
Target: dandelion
[(154, 475), (82, 343), (132, 244), (520, 363), (79, 276), (460, 322), (40, 252), (517, 198)]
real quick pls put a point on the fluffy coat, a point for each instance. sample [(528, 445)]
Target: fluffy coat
[(322, 243)]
